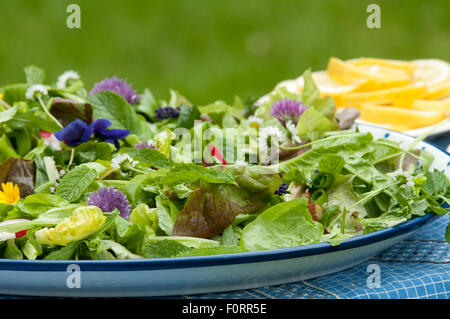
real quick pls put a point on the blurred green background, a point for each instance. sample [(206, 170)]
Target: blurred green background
[(211, 49)]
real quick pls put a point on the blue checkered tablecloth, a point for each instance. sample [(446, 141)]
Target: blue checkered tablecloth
[(418, 267)]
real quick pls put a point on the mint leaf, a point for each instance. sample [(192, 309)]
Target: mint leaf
[(111, 106), (331, 163), (75, 183), (436, 182)]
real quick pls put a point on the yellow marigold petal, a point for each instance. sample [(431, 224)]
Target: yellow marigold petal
[(10, 193)]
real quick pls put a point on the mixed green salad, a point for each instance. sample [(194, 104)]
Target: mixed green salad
[(108, 173)]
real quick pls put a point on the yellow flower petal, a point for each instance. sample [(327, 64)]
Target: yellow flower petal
[(10, 194)]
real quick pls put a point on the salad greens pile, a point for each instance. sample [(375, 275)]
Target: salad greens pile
[(111, 174)]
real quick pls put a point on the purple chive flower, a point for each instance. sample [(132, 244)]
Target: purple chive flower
[(108, 198), (143, 145), (78, 132), (287, 110), (163, 113), (282, 189), (119, 86)]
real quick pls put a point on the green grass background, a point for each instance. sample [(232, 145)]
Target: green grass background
[(212, 49)]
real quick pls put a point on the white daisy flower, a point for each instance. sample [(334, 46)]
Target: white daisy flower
[(119, 159), (254, 121), (272, 131), (66, 76), (290, 126), (34, 89)]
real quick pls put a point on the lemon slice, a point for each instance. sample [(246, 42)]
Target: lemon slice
[(377, 75), (388, 66), (327, 85), (432, 105), (402, 93), (399, 118), (432, 72)]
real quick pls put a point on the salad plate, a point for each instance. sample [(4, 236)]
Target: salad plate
[(213, 273)]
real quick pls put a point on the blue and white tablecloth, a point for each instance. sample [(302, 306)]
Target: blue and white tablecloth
[(418, 267)]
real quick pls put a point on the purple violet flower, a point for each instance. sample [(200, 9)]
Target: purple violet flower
[(119, 86), (143, 145), (78, 132), (108, 198), (287, 110)]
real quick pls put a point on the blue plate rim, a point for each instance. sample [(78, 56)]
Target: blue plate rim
[(231, 258)]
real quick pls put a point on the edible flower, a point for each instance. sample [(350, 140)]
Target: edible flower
[(36, 90), (120, 159), (167, 112), (119, 86), (83, 222), (108, 198), (64, 78), (78, 132), (282, 189), (144, 145), (255, 122), (287, 109), (10, 193)]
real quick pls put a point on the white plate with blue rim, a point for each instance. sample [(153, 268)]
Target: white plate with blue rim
[(203, 274)]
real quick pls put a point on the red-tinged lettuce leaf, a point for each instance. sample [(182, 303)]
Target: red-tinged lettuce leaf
[(213, 207), (66, 111), (21, 172)]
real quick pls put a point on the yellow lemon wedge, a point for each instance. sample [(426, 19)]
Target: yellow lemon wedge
[(386, 66), (376, 76), (399, 118), (406, 93), (432, 105), (432, 72)]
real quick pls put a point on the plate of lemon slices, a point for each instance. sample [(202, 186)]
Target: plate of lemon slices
[(406, 96)]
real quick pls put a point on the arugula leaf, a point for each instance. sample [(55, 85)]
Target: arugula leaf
[(331, 163), (111, 106), (192, 173), (74, 184)]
